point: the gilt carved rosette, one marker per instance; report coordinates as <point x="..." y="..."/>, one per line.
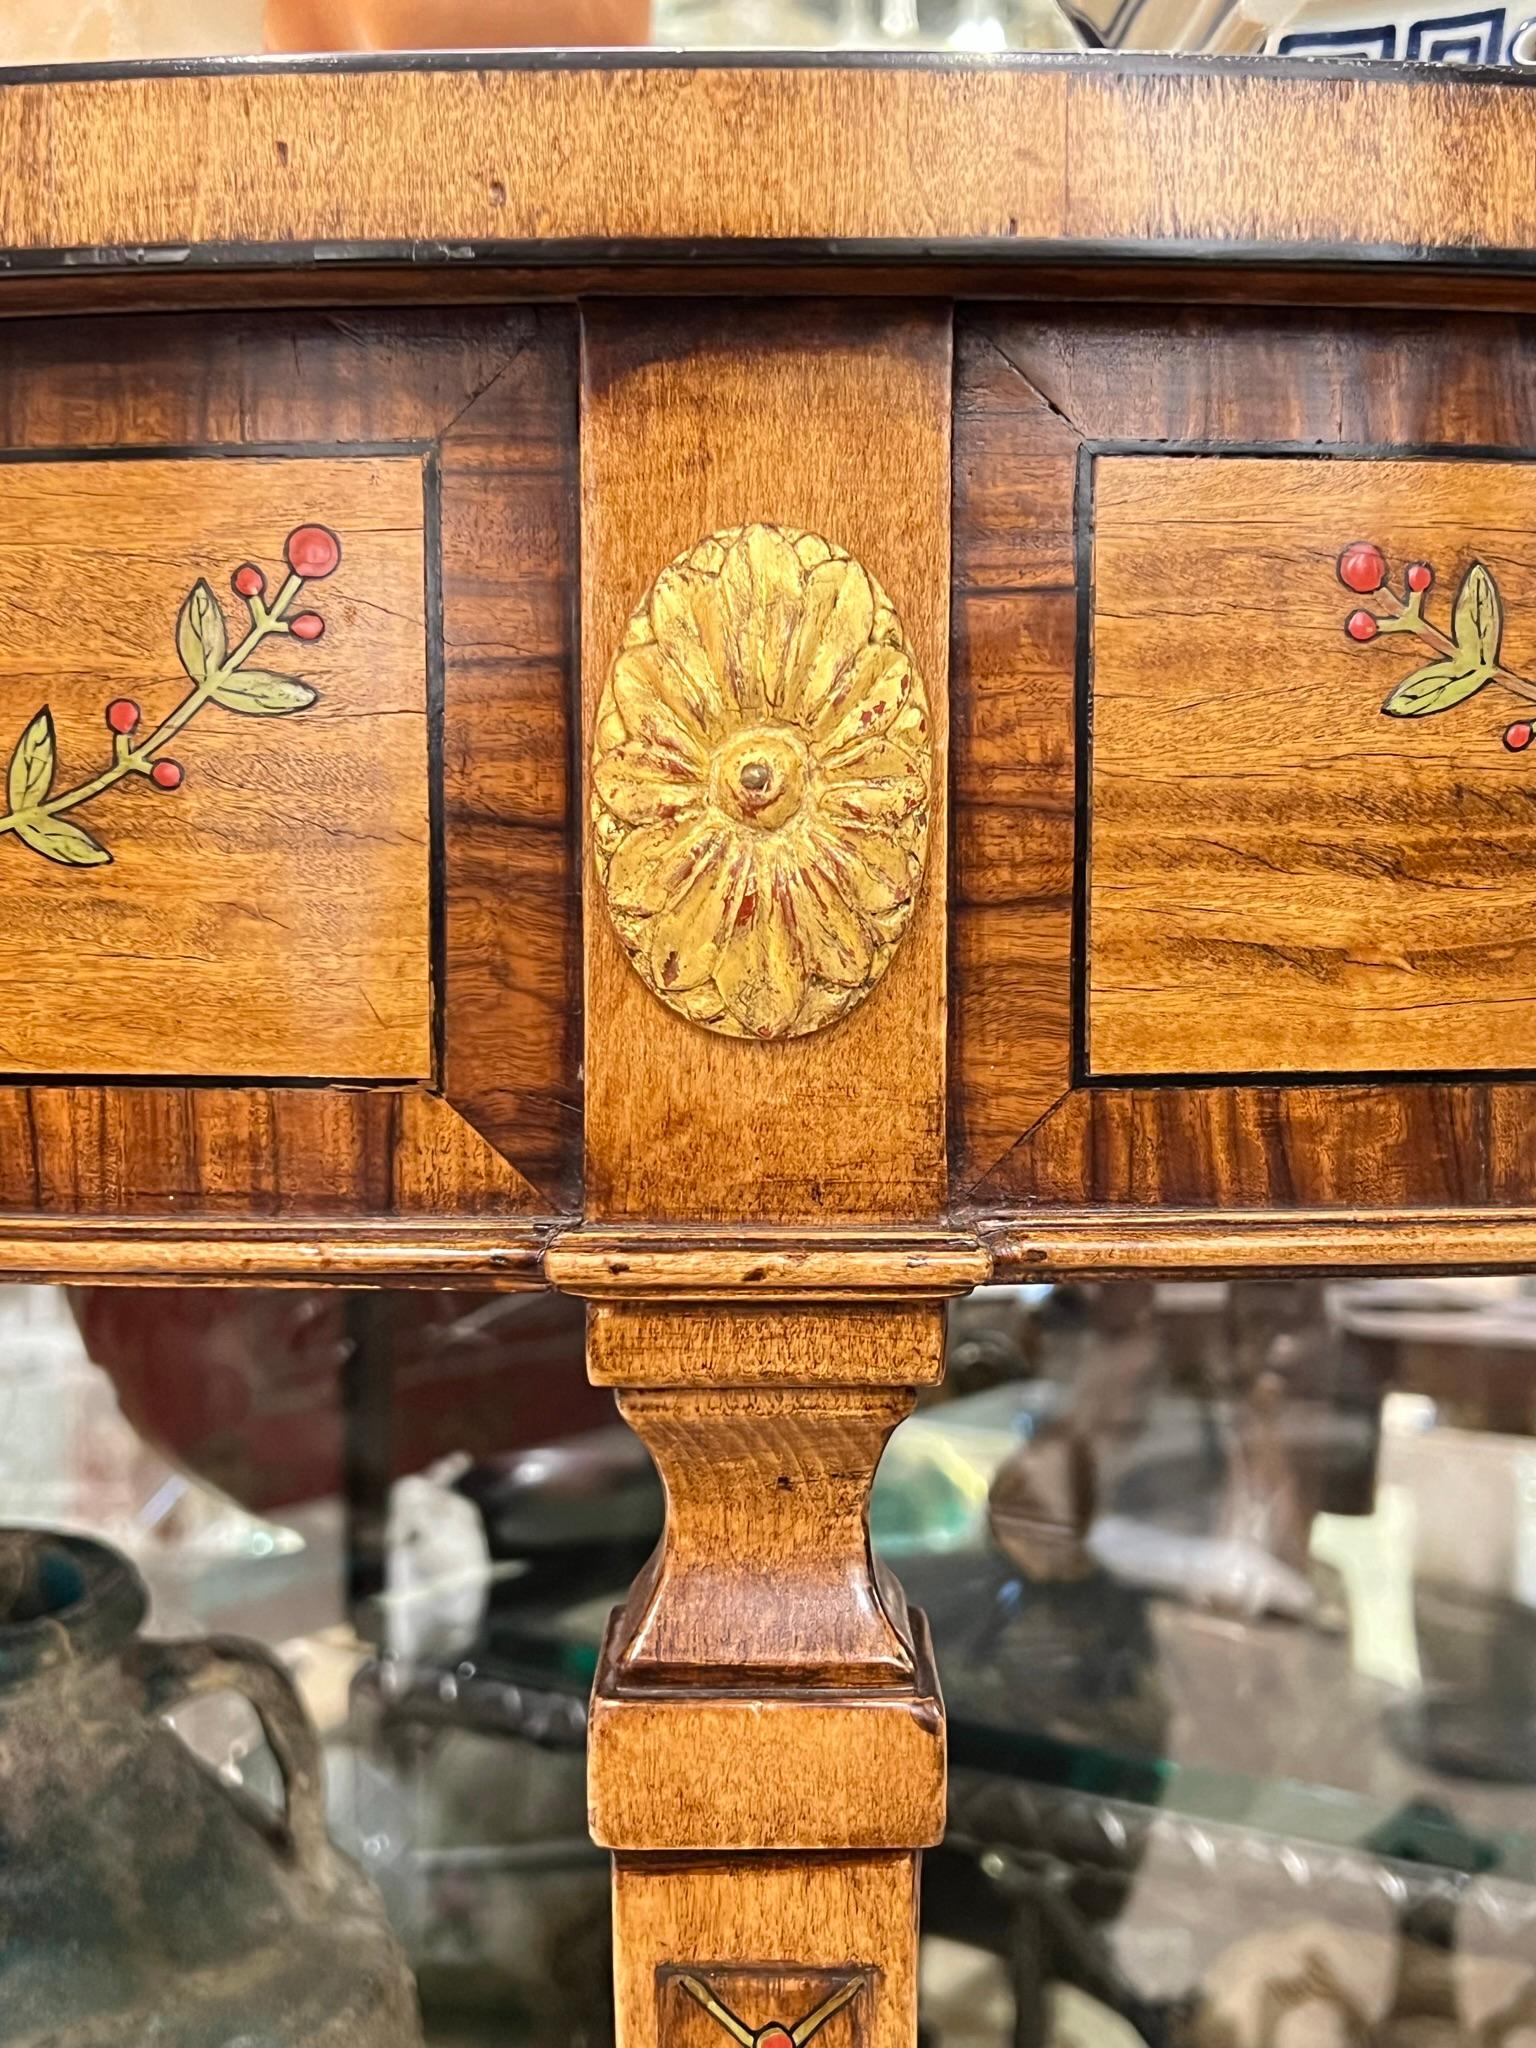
<point x="761" y="777"/>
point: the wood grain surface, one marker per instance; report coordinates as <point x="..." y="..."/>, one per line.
<point x="1309" y="380"/>
<point x="783" y="1915"/>
<point x="1112" y="1242"/>
<point x="1014" y="625"/>
<point x="758" y="1646"/>
<point x="765" y="1687"/>
<point x="270" y="915"/>
<point x="885" y="1345"/>
<point x="729" y="1771"/>
<point x="157" y="386"/>
<point x="815" y="417"/>
<point x="501" y="1256"/>
<point x="765" y="1265"/>
<point x="986" y="157"/>
<point x="765" y="1575"/>
<point x="767" y="272"/>
<point x="512" y="967"/>
<point x="1281" y="876"/>
<point x="502" y="1250"/>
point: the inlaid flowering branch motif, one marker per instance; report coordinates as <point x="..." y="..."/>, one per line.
<point x="1467" y="658"/>
<point x="761" y="773"/>
<point x="218" y="673"/>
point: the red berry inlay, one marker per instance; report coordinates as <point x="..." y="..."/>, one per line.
<point x="775" y="2037"/>
<point x="1517" y="736"/>
<point x="1361" y="626"/>
<point x="312" y="551"/>
<point x="1363" y="567"/>
<point x="1420" y="576"/>
<point x="211" y="658"/>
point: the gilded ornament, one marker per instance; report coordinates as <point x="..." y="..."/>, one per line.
<point x="761" y="782"/>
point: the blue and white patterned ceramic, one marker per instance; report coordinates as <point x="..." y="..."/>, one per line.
<point x="1476" y="35"/>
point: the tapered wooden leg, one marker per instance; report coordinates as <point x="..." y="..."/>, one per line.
<point x="765" y="497"/>
<point x="767" y="1746"/>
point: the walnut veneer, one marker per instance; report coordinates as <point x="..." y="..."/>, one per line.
<point x="756" y="691"/>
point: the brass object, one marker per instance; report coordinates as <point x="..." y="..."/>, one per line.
<point x="761" y="775"/>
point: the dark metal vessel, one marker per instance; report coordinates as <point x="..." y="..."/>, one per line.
<point x="141" y="1898"/>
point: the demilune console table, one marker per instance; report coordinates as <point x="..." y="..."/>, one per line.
<point x="758" y="691"/>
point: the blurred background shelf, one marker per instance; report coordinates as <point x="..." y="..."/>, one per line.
<point x="1230" y="1588"/>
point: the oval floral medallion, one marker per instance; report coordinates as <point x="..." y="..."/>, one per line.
<point x="761" y="774"/>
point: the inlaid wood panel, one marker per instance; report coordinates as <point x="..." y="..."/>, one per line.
<point x="1420" y="808"/>
<point x="445" y="441"/>
<point x="1306" y="850"/>
<point x="250" y="895"/>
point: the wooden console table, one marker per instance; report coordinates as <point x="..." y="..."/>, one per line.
<point x="759" y="690"/>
